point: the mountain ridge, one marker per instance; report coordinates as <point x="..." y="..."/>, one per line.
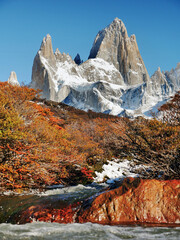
<point x="113" y="80"/>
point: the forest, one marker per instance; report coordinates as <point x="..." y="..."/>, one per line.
<point x="43" y="143"/>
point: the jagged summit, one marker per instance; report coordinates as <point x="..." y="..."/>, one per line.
<point x="113" y="80"/>
<point x="118" y="25"/>
<point x="114" y="46"/>
<point x="57" y="52"/>
<point x="159" y="69"/>
<point x="159" y="83"/>
<point x="77" y="59"/>
<point x="117" y="20"/>
<point x="46" y="47"/>
<point x="13" y="79"/>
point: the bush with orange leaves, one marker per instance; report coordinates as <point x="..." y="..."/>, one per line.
<point x="34" y="148"/>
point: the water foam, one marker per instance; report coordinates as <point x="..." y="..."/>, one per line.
<point x="47" y="231"/>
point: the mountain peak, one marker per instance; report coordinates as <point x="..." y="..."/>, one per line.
<point x="113" y="30"/>
<point x="114" y="46"/>
<point x="57" y="51"/>
<point x="178" y="65"/>
<point x="46" y="40"/>
<point x="46" y="48"/>
<point x="78" y="59"/>
<point x="115" y="81"/>
<point x="117" y="20"/>
<point x="13" y="79"/>
<point x="118" y="23"/>
<point x="159" y="69"/>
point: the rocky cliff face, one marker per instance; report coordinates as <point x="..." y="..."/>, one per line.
<point x="113" y="80"/>
<point x="41" y="76"/>
<point x="61" y="79"/>
<point x="13" y="79"/>
<point x="113" y="45"/>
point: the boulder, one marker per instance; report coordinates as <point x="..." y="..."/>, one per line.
<point x="137" y="201"/>
<point x="134" y="202"/>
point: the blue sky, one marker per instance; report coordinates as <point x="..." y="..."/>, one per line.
<point x="73" y="25"/>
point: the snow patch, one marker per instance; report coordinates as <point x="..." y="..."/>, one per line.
<point x="139" y="64"/>
<point x="116" y="169"/>
<point x="101" y="64"/>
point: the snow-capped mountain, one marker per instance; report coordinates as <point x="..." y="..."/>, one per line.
<point x="113" y="80"/>
<point x="13" y="79"/>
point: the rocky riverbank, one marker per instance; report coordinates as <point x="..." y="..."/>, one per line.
<point x="135" y="201"/>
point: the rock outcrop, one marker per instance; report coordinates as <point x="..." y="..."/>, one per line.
<point x="13" y="79"/>
<point x="113" y="45"/>
<point x="159" y="84"/>
<point x="173" y="77"/>
<point x="77" y="59"/>
<point x="41" y="78"/>
<point x="137" y="201"/>
<point x="113" y="80"/>
<point x="47" y="49"/>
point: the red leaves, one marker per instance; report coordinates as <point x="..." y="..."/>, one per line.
<point x="87" y="173"/>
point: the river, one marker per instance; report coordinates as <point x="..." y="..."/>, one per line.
<point x="11" y="205"/>
<point x="87" y="231"/>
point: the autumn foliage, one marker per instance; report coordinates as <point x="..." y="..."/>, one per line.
<point x="34" y="147"/>
<point x="44" y="143"/>
<point x="171" y="110"/>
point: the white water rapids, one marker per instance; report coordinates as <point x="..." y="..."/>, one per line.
<point x="53" y="231"/>
<point x="87" y="231"/>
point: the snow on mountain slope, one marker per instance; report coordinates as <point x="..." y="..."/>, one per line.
<point x="97" y="69"/>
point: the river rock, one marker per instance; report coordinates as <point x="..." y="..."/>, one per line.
<point x="136" y="201"/>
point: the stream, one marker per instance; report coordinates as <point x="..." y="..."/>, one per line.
<point x="12" y="205"/>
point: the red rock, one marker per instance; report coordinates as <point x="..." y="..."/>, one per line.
<point x="46" y="214"/>
<point x="136" y="201"/>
